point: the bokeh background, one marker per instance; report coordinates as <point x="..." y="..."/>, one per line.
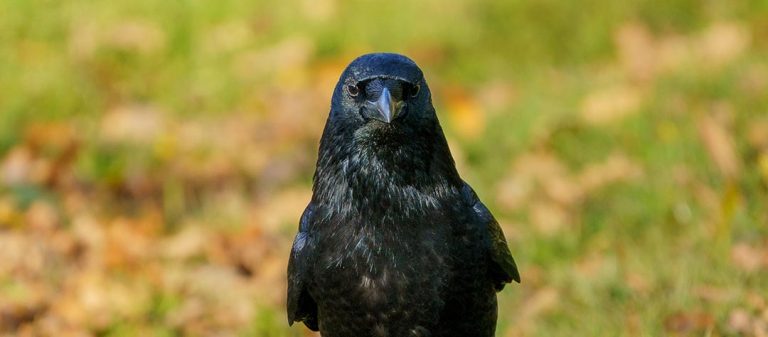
<point x="155" y="157"/>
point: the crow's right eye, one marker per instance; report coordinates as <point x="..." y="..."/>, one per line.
<point x="353" y="90"/>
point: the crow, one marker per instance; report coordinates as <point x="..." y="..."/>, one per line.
<point x="393" y="242"/>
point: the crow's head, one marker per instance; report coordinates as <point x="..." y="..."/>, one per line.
<point x="382" y="143"/>
<point x="382" y="92"/>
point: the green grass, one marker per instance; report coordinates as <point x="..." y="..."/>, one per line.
<point x="250" y="81"/>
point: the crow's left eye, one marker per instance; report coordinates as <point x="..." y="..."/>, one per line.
<point x="413" y="90"/>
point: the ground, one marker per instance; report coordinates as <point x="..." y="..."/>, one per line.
<point x="155" y="157"/>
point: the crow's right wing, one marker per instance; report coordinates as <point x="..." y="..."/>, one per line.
<point x="301" y="306"/>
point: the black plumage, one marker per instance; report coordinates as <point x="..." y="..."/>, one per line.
<point x="393" y="242"/>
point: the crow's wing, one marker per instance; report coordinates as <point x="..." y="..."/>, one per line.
<point x="301" y="306"/>
<point x="503" y="268"/>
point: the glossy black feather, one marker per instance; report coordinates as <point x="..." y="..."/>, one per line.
<point x="393" y="242"/>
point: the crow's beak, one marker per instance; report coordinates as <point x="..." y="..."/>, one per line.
<point x="387" y="107"/>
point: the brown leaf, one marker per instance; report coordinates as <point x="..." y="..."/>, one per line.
<point x="723" y="42"/>
<point x="514" y="192"/>
<point x="637" y="49"/>
<point x="749" y="258"/>
<point x="541" y="302"/>
<point x="141" y="36"/>
<point x="319" y="11"/>
<point x="674" y="52"/>
<point x="41" y="216"/>
<point x="190" y="241"/>
<point x="712" y="293"/>
<point x="9" y="216"/>
<point x="689" y="322"/>
<point x="137" y="124"/>
<point x="757" y="134"/>
<point x="608" y="105"/>
<point x="719" y="144"/>
<point x="465" y="114"/>
<point x="16" y="166"/>
<point x="617" y="167"/>
<point x="288" y="58"/>
<point x="227" y="37"/>
<point x="740" y="320"/>
<point x="282" y="209"/>
<point x="495" y="96"/>
<point x="548" y="218"/>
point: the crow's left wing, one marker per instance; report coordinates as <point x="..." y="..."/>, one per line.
<point x="503" y="268"/>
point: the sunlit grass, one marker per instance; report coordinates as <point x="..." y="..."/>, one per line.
<point x="619" y="144"/>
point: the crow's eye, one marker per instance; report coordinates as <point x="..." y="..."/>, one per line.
<point x="353" y="90"/>
<point x="414" y="90"/>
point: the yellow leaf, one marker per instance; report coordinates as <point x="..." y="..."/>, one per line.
<point x="466" y="116"/>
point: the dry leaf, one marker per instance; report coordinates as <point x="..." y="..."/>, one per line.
<point x="757" y="134"/>
<point x="674" y="52"/>
<point x="723" y="42"/>
<point x="749" y="258"/>
<point x="41" y="216"/>
<point x="319" y="10"/>
<point x="617" y="167"/>
<point x="548" y="218"/>
<point x="608" y="105"/>
<point x="227" y="37"/>
<point x="637" y="51"/>
<point x="514" y="192"/>
<point x="289" y="57"/>
<point x="16" y="166"/>
<point x="541" y="302"/>
<point x="139" y="124"/>
<point x="719" y="144"/>
<point x="689" y="322"/>
<point x="740" y="321"/>
<point x="495" y="96"/>
<point x="465" y="114"/>
<point x="712" y="293"/>
<point x="189" y="242"/>
<point x="142" y="36"/>
<point x="282" y="209"/>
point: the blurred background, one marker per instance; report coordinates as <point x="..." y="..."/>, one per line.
<point x="155" y="157"/>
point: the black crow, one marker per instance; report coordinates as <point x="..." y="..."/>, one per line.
<point x="393" y="242"/>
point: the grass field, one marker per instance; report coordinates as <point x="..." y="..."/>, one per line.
<point x="155" y="157"/>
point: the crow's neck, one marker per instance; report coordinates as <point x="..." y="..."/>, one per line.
<point x="389" y="182"/>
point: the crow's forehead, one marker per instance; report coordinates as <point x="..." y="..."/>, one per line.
<point x="383" y="65"/>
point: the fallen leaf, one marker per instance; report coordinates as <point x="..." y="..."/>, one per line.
<point x="757" y="134"/>
<point x="227" y="37"/>
<point x="541" y="302"/>
<point x="617" y="167"/>
<point x="689" y="322"/>
<point x="514" y="192"/>
<point x="137" y="124"/>
<point x="740" y="320"/>
<point x="287" y="58"/>
<point x="719" y="144"/>
<point x="319" y="10"/>
<point x="16" y="166"/>
<point x="466" y="116"/>
<point x="748" y="258"/>
<point x="141" y="36"/>
<point x="674" y="53"/>
<point x="42" y="217"/>
<point x="723" y="42"/>
<point x="637" y="51"/>
<point x="548" y="218"/>
<point x="607" y="105"/>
